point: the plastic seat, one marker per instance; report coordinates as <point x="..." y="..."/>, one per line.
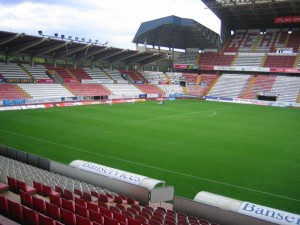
<point x="53" y="211"/>
<point x="122" y="219"/>
<point x="38" y="186"/>
<point x="3" y="187"/>
<point x="141" y="218"/>
<point x="80" y="201"/>
<point x="132" y="221"/>
<point x="81" y="210"/>
<point x="47" y="191"/>
<point x="68" y="205"/>
<point x="110" y="221"/>
<point x="30" y="217"/>
<point x="12" y="183"/>
<point x="23" y="187"/>
<point x="56" y="200"/>
<point x="69" y="195"/>
<point x="92" y="206"/>
<point x="38" y="204"/>
<point x="95" y="216"/>
<point x="15" y="211"/>
<point x="26" y="199"/>
<point x="105" y="212"/>
<point x="45" y="220"/>
<point x="80" y="220"/>
<point x="3" y="205"/>
<point x="67" y="217"/>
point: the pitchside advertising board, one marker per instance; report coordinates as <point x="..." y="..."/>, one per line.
<point x="269" y="214"/>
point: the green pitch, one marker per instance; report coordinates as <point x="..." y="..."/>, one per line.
<point x="251" y="153"/>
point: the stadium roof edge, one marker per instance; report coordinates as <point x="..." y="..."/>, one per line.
<point x="175" y="32"/>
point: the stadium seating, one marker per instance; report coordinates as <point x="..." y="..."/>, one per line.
<point x="262" y="83"/>
<point x="134" y="76"/>
<point x="37" y="71"/>
<point x="280" y="60"/>
<point x="36" y="209"/>
<point x="155" y="77"/>
<point x="45" y="90"/>
<point x="12" y="91"/>
<point x="87" y="89"/>
<point x="96" y="74"/>
<point x="187" y="58"/>
<point x="62" y="72"/>
<point x="229" y="85"/>
<point x="79" y="73"/>
<point x="123" y="89"/>
<point x="12" y="70"/>
<point x="287" y="87"/>
<point x="249" y="59"/>
<point x="149" y="89"/>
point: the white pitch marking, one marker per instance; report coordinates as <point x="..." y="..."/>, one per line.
<point x="178" y="115"/>
<point x="153" y="167"/>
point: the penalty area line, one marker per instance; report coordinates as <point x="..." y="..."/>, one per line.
<point x="152" y="167"/>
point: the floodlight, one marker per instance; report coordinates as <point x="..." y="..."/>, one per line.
<point x="70" y="37"/>
<point x="40" y="32"/>
<point x="56" y="35"/>
<point x="90" y="40"/>
<point x="82" y="39"/>
<point x="62" y="36"/>
<point x="96" y="41"/>
<point x="76" y="38"/>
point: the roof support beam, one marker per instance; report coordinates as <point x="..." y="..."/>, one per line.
<point x="4" y="40"/>
<point x="45" y="50"/>
<point x="27" y="45"/>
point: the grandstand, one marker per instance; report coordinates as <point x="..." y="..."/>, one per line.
<point x="255" y="60"/>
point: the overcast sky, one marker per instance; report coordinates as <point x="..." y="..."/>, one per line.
<point x="112" y="21"/>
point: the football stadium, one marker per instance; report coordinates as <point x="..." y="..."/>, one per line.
<point x="198" y="129"/>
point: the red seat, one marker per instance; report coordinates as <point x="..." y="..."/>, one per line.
<point x="53" y="211"/>
<point x="38" y="204"/>
<point x="38" y="186"/>
<point x="122" y="219"/>
<point x="144" y="214"/>
<point x="131" y="201"/>
<point x="3" y="187"/>
<point x="15" y="211"/>
<point x="67" y="217"/>
<point x="23" y="187"/>
<point x="83" y="220"/>
<point x="92" y="206"/>
<point x="89" y="198"/>
<point x="81" y="210"/>
<point x="110" y="221"/>
<point x="68" y="205"/>
<point x="69" y="195"/>
<point x="56" y="200"/>
<point x="95" y="217"/>
<point x="80" y="201"/>
<point x="105" y="212"/>
<point x="128" y="214"/>
<point x="3" y="205"/>
<point x="135" y="212"/>
<point x="114" y="209"/>
<point x="12" y="183"/>
<point x="59" y="190"/>
<point x="154" y="222"/>
<point x="47" y="191"/>
<point x="45" y="220"/>
<point x="132" y="221"/>
<point x="30" y="216"/>
<point x="137" y="208"/>
<point x="120" y="200"/>
<point x="142" y="219"/>
<point x="26" y="199"/>
<point x="78" y="192"/>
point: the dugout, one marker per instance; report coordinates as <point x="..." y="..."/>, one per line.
<point x="229" y="211"/>
<point x="142" y="188"/>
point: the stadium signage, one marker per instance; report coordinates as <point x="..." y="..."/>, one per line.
<point x="112" y="173"/>
<point x="269" y="214"/>
<point x="19" y="80"/>
<point x="287" y="19"/>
